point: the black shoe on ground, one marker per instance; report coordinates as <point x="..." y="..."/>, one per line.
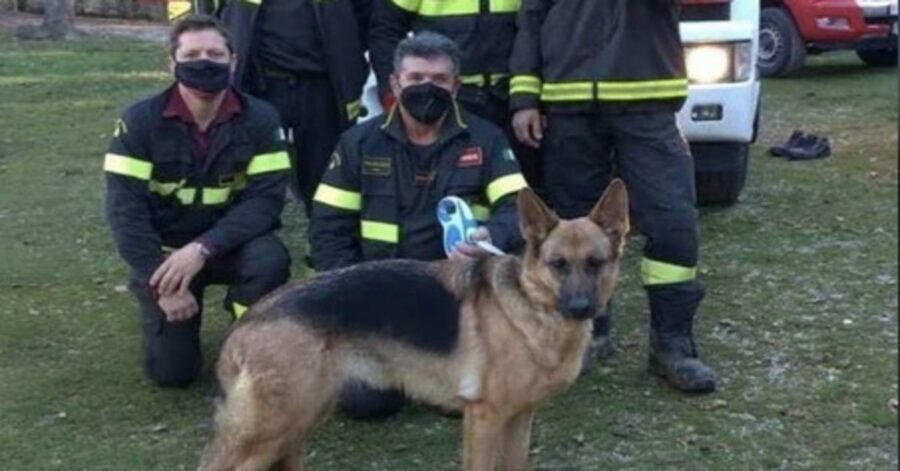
<point x="814" y="147"/>
<point x="782" y="150"/>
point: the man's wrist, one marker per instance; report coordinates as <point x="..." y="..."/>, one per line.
<point x="203" y="249"/>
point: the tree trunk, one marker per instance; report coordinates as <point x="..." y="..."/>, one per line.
<point x="59" y="18"/>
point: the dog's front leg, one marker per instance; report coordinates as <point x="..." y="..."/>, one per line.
<point x="516" y="441"/>
<point x="482" y="430"/>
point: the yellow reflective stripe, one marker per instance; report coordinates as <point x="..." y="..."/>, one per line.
<point x="505" y="6"/>
<point x="177" y="9"/>
<point x="477" y="80"/>
<point x="354" y="108"/>
<point x="481" y="213"/>
<point x="571" y="91"/>
<point x="270" y="162"/>
<point x="239" y="310"/>
<point x="480" y="80"/>
<point x="446" y="7"/>
<point x="184" y="195"/>
<point x="332" y="196"/>
<point x="216" y="195"/>
<point x="254" y="2"/>
<point x="525" y="84"/>
<point x="642" y="90"/>
<point x="661" y="273"/>
<point x="505" y="185"/>
<point x="380" y="231"/>
<point x="408" y="5"/>
<point x="128" y="166"/>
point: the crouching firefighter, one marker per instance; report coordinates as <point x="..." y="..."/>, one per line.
<point x="607" y="77"/>
<point x="195" y="187"/>
<point x="379" y="196"/>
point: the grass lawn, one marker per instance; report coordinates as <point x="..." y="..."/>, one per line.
<point x="800" y="319"/>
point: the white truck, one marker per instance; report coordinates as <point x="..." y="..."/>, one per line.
<point x="721" y="116"/>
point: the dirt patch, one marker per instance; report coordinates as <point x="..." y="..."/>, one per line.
<point x="93" y="27"/>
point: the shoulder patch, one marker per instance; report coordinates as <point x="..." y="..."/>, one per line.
<point x="335" y="161"/>
<point x="471" y="157"/>
<point x="120" y="129"/>
<point x="376" y="166"/>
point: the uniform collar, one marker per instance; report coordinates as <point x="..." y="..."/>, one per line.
<point x="176" y="107"/>
<point x="453" y="125"/>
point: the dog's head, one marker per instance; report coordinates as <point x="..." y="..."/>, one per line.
<point x="572" y="266"/>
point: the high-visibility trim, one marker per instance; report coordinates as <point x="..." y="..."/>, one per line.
<point x="380" y="231"/>
<point x="643" y="90"/>
<point x="570" y="91"/>
<point x="409" y="5"/>
<point x="505" y="185"/>
<point x="184" y="195"/>
<point x="481" y="213"/>
<point x="354" y="108"/>
<point x="239" y="310"/>
<point x="213" y="196"/>
<point x="480" y="80"/>
<point x="505" y="6"/>
<point x="254" y="2"/>
<point x="338" y="198"/>
<point x="661" y="273"/>
<point x="447" y="7"/>
<point x="525" y="84"/>
<point x="271" y="162"/>
<point x="128" y="166"/>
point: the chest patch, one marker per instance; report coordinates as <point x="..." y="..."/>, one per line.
<point x="376" y="166"/>
<point x="471" y="157"/>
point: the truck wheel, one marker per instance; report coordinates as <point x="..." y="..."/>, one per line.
<point x="781" y="50"/>
<point x="720" y="172"/>
<point x="878" y="57"/>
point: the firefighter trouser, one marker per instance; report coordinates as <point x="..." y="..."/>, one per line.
<point x="479" y="101"/>
<point x="582" y="152"/>
<point x="309" y="114"/>
<point x="170" y="351"/>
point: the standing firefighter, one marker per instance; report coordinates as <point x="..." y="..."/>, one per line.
<point x="195" y="186"/>
<point x="305" y="57"/>
<point x="608" y="76"/>
<point x="483" y="31"/>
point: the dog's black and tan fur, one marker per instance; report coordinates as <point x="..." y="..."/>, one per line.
<point x="494" y="338"/>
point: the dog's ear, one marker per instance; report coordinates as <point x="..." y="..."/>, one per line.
<point x="536" y="220"/>
<point x="611" y="212"/>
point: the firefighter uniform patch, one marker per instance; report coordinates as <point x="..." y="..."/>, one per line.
<point x="471" y="157"/>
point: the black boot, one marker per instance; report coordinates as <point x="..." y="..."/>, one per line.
<point x="673" y="354"/>
<point x="601" y="347"/>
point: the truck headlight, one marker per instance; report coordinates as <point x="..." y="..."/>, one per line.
<point x="719" y="63"/>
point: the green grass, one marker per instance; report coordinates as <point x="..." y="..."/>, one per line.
<point x="800" y="320"/>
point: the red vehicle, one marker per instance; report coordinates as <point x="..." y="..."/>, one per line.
<point x="791" y="29"/>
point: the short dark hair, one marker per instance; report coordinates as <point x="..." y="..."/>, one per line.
<point x="427" y="45"/>
<point x="197" y="23"/>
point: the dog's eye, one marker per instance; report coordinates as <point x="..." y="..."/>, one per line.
<point x="594" y="263"/>
<point x="559" y="264"/>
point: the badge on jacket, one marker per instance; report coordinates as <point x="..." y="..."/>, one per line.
<point x="376" y="166"/>
<point x="471" y="157"/>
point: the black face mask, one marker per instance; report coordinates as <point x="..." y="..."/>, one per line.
<point x="426" y="102"/>
<point x="205" y="75"/>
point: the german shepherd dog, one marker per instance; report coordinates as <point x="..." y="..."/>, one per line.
<point x="494" y="338"/>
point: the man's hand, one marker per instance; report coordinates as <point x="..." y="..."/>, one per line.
<point x="529" y="125"/>
<point x="177" y="272"/>
<point x="180" y="306"/>
<point x="468" y="250"/>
